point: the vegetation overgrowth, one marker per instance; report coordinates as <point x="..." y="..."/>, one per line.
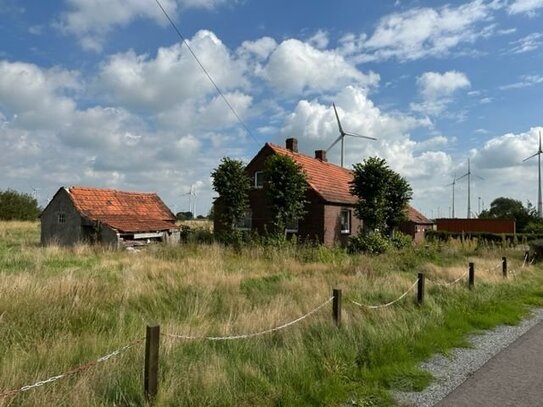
<point x="61" y="307"/>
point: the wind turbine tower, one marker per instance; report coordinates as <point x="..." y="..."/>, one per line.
<point x="342" y="135"/>
<point x="453" y="185"/>
<point x="469" y="174"/>
<point x="539" y="202"/>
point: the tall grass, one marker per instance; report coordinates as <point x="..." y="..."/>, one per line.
<point x="61" y="307"/>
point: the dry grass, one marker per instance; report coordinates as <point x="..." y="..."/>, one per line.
<point x="61" y="307"/>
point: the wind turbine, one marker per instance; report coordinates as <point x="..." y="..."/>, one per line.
<point x="342" y="135"/>
<point x="468" y="174"/>
<point x="539" y="152"/>
<point x="192" y="198"/>
<point x="453" y="185"/>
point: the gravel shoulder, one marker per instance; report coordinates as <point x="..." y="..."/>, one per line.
<point x="451" y="371"/>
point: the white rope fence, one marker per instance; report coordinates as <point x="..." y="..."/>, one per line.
<point x="388" y="304"/>
<point x="449" y="283"/>
<point x="70" y="372"/>
<point x="249" y="335"/>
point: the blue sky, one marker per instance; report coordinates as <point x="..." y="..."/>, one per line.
<point x="96" y="92"/>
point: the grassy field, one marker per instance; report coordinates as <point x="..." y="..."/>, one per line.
<point x="61" y="308"/>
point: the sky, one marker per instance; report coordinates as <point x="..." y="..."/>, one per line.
<point x="102" y="92"/>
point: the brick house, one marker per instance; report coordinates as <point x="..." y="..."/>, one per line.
<point x="107" y="216"/>
<point x="416" y="225"/>
<point x="329" y="218"/>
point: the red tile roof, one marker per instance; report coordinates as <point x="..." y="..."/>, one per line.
<point x="124" y="211"/>
<point x="333" y="182"/>
<point x="416" y="217"/>
<point x="327" y="179"/>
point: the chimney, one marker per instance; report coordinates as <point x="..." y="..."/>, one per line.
<point x="321" y="155"/>
<point x="292" y="144"/>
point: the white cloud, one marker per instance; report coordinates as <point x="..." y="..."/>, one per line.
<point x="526" y="81"/>
<point x="528" y="43"/>
<point x="314" y="124"/>
<point x="437" y="89"/>
<point x="422" y="32"/>
<point x="295" y="67"/>
<point x="319" y="40"/>
<point x="37" y="97"/>
<point x="92" y="20"/>
<point x="173" y="76"/>
<point x="525" y="6"/>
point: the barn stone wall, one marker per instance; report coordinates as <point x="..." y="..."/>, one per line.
<point x="54" y="232"/>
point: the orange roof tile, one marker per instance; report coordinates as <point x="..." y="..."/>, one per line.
<point x="416" y="217"/>
<point x="124" y="211"/>
<point x="328" y="180"/>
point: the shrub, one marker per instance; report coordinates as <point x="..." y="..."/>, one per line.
<point x="536" y="249"/>
<point x="401" y="241"/>
<point x="372" y="243"/>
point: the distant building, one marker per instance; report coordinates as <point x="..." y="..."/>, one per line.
<point x="107" y="216"/>
<point x="330" y="217"/>
<point x="416" y="225"/>
<point x="457" y="225"/>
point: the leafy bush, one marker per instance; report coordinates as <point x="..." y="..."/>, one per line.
<point x="536" y="249"/>
<point x="401" y="241"/>
<point x="196" y="235"/>
<point x="372" y="243"/>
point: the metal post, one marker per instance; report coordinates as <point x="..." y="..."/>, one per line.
<point x="504" y="266"/>
<point x="150" y="374"/>
<point x="420" y="289"/>
<point x="471" y="279"/>
<point x="336" y="306"/>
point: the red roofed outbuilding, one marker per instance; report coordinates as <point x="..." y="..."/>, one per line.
<point x="84" y="214"/>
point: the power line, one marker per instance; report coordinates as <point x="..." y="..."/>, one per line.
<point x="184" y="41"/>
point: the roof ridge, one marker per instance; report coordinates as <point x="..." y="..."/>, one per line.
<point x="80" y="187"/>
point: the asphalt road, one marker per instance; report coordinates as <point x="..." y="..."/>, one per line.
<point x="514" y="377"/>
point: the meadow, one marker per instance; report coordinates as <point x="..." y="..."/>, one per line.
<point x="64" y="307"/>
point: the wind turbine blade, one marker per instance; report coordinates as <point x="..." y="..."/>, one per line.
<point x="335" y="142"/>
<point x="452" y="183"/>
<point x="465" y="175"/>
<point x="532" y="156"/>
<point x="540" y="142"/>
<point x="478" y="176"/>
<point x="338" y="122"/>
<point x="359" y="135"/>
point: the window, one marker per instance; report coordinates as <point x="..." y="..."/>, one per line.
<point x="61" y="217"/>
<point x="259" y="179"/>
<point x="345" y="221"/>
<point x="292" y="226"/>
<point x="246" y="222"/>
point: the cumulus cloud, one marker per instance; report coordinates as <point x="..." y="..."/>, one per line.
<point x="92" y="20"/>
<point x="172" y="76"/>
<point x="37" y="98"/>
<point x="295" y="67"/>
<point x="436" y="90"/>
<point x="315" y="125"/>
<point x="422" y="32"/>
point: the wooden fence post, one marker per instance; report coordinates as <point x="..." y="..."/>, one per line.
<point x="336" y="306"/>
<point x="150" y="374"/>
<point x="471" y="279"/>
<point x="420" y="289"/>
<point x="504" y="266"/>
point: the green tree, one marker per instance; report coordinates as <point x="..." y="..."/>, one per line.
<point x="508" y="208"/>
<point x="18" y="206"/>
<point x="232" y="184"/>
<point x="285" y="185"/>
<point x="383" y="195"/>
